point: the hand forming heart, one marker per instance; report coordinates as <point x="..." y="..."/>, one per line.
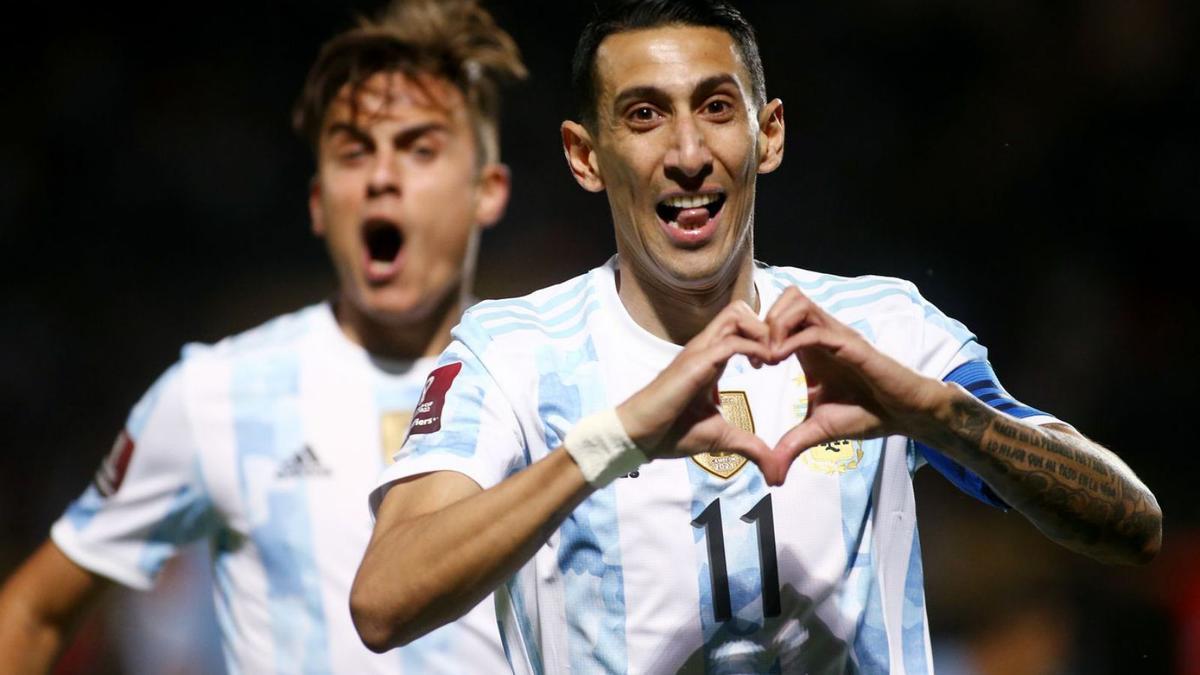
<point x="854" y="390"/>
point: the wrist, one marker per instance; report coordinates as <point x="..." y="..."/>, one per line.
<point x="936" y="419"/>
<point x="602" y="449"/>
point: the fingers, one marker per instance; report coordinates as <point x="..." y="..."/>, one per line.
<point x="752" y="448"/>
<point x="799" y="439"/>
<point x="736" y="319"/>
<point x="721" y="352"/>
<point x="807" y="338"/>
<point x="786" y="314"/>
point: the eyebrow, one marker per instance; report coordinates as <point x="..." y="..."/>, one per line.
<point x="653" y="92"/>
<point x="346" y="128"/>
<point x="404" y="137"/>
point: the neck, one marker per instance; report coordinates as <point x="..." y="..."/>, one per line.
<point x="677" y="314"/>
<point x="402" y="338"/>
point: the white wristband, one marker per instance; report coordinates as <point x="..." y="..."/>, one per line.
<point x="602" y="449"/>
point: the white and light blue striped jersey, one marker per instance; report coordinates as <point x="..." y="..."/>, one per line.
<point x="264" y="444"/>
<point x="694" y="564"/>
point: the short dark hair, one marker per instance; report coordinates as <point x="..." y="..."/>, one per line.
<point x="619" y="16"/>
<point x="453" y="39"/>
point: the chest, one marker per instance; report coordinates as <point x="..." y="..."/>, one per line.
<point x="292" y="464"/>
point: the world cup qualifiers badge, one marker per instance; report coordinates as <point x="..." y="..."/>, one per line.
<point x="427" y="418"/>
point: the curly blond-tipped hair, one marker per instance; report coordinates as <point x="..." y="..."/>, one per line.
<point x="456" y="40"/>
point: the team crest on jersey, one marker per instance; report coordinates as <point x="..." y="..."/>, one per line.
<point x="393" y="427"/>
<point x="735" y="408"/>
<point x="834" y="456"/>
<point x="112" y="470"/>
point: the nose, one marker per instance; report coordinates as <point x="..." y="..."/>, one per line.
<point x="385" y="175"/>
<point x="689" y="156"/>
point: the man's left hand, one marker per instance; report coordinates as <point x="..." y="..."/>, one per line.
<point x="855" y="391"/>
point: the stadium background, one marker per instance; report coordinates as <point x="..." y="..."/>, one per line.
<point x="1031" y="166"/>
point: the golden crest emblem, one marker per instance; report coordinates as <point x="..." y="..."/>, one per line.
<point x="393" y="427"/>
<point x="735" y="408"/>
<point x="834" y="456"/>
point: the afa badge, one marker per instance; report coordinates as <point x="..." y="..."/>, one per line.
<point x="735" y="408"/>
<point x="393" y="427"/>
<point x="833" y="457"/>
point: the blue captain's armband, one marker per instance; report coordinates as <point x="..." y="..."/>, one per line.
<point x="978" y="378"/>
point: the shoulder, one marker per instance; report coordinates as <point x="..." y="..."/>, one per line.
<point x="281" y="333"/>
<point x="275" y="338"/>
<point x="891" y="313"/>
<point x="852" y="299"/>
<point x="552" y="314"/>
<point x="264" y="359"/>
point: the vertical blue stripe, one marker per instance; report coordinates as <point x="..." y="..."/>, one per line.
<point x="268" y="430"/>
<point x="525" y="621"/>
<point x="862" y="597"/>
<point x="870" y="638"/>
<point x="570" y="385"/>
<point x="913" y="616"/>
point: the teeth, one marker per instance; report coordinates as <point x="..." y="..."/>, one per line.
<point x="379" y="267"/>
<point x="690" y="201"/>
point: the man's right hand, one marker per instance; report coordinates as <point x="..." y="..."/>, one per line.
<point x="677" y="414"/>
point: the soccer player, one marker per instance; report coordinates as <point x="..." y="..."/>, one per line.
<point x="265" y="443"/>
<point x="584" y="450"/>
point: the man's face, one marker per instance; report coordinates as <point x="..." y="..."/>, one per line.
<point x="678" y="147"/>
<point x="398" y="195"/>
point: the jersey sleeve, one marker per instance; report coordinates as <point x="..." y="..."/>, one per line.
<point x="147" y="499"/>
<point x="951" y="353"/>
<point x="464" y="422"/>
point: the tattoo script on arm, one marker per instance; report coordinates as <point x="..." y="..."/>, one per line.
<point x="1077" y="492"/>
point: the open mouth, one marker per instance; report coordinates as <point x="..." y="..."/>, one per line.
<point x="383" y="240"/>
<point x="384" y="244"/>
<point x="690" y="211"/>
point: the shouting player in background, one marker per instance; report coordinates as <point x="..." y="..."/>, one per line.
<point x="688" y="461"/>
<point x="265" y="443"/>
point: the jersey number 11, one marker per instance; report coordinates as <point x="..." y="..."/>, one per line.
<point x="761" y="514"/>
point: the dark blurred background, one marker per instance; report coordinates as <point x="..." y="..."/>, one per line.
<point x="1032" y="166"/>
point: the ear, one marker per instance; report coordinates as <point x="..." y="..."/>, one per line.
<point x="315" y="212"/>
<point x="770" y="136"/>
<point x="581" y="156"/>
<point x="495" y="182"/>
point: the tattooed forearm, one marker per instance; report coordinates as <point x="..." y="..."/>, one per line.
<point x="1075" y="491"/>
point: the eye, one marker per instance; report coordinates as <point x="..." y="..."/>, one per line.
<point x="351" y="152"/>
<point x="425" y="151"/>
<point x="718" y="108"/>
<point x="643" y="116"/>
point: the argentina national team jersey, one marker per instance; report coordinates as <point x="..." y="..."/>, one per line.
<point x="264" y="445"/>
<point x="694" y="564"/>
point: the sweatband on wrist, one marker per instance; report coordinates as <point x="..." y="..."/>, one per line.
<point x="602" y="449"/>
